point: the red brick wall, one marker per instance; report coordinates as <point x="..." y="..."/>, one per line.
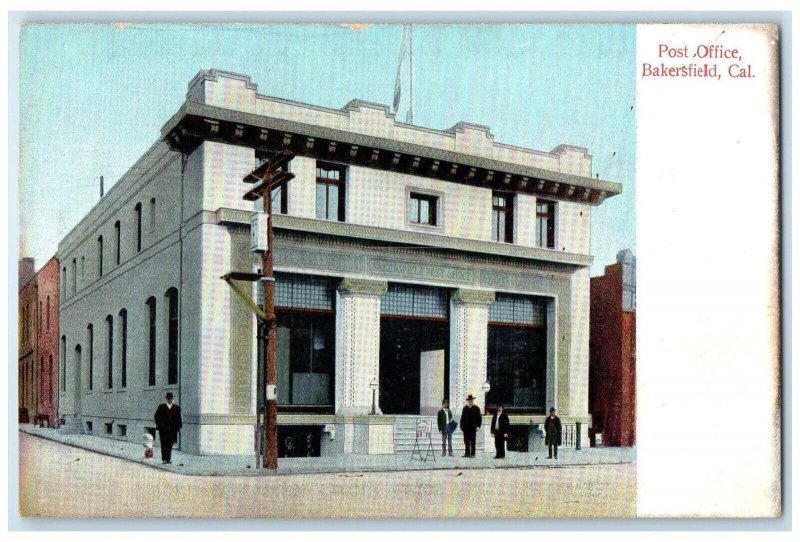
<point x="612" y="361"/>
<point x="47" y="280"/>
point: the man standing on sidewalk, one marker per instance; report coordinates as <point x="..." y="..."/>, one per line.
<point x="168" y="422"/>
<point x="470" y="422"/>
<point x="500" y="428"/>
<point x="552" y="428"/>
<point x="446" y="426"/>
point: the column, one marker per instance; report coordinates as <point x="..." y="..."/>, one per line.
<point x="578" y="401"/>
<point x="469" y="319"/>
<point x="358" y="318"/>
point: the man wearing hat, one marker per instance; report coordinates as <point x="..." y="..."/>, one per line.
<point x="470" y="422"/>
<point x="552" y="427"/>
<point x="500" y="429"/>
<point x="168" y="422"/>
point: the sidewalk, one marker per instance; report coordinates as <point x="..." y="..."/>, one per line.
<point x="240" y="465"/>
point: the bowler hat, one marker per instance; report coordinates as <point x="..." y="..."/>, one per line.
<point x="169" y="395"/>
<point x="552" y="409"/>
<point x="470" y="397"/>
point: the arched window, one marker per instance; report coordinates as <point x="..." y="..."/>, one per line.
<point x="138" y="211"/>
<point x="110" y="351"/>
<point x="117" y="239"/>
<point x="90" y="342"/>
<point x="152" y="213"/>
<point x="123" y="330"/>
<point x="74" y="275"/>
<point x="48" y="312"/>
<point x="172" y="337"/>
<point x="63" y="370"/>
<point x="77" y="363"/>
<point x="100" y="256"/>
<point x="151" y="352"/>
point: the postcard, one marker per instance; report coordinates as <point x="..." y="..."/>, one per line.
<point x="419" y="270"/>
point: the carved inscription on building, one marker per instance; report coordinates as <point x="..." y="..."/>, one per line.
<point x="291" y="256"/>
<point x="422" y="271"/>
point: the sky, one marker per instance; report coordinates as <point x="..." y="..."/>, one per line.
<point x="93" y="98"/>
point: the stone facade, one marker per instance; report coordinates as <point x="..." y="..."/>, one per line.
<point x="196" y="226"/>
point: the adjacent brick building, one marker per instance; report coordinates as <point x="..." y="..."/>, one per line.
<point x="612" y="352"/>
<point x="47" y="341"/>
<point x="38" y="342"/>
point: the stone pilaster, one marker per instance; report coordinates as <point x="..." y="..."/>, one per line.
<point x="578" y="398"/>
<point x="469" y="317"/>
<point x="358" y="318"/>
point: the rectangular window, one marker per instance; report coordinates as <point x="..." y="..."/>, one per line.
<point x="172" y="339"/>
<point x="151" y="372"/>
<point x="415" y="301"/>
<point x="516" y="367"/>
<point x="422" y="209"/>
<point x="502" y="218"/>
<point x="122" y="430"/>
<point x="89" y="427"/>
<point x="74" y="276"/>
<point x="280" y="200"/>
<point x="305" y="358"/>
<point x="64" y="284"/>
<point x="152" y="213"/>
<point x="330" y="191"/>
<point x="545" y="224"/>
<point x="109" y="428"/>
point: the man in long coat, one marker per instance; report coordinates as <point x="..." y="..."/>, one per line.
<point x="444" y="420"/>
<point x="168" y="422"/>
<point x="552" y="428"/>
<point x="500" y="428"/>
<point x="470" y="422"/>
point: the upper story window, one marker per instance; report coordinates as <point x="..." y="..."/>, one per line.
<point x="330" y="191"/>
<point x="152" y="213"/>
<point x="74" y="275"/>
<point x="100" y="256"/>
<point x="545" y="224"/>
<point x="423" y="209"/>
<point x="117" y="240"/>
<point x="280" y="200"/>
<point x="502" y="217"/>
<point x="138" y="212"/>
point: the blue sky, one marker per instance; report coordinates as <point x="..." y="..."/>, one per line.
<point x="93" y="98"/>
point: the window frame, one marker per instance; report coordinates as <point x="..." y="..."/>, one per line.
<point x="340" y="183"/>
<point x="508" y="211"/>
<point x="434" y="198"/>
<point x="549" y="218"/>
<point x="152" y="340"/>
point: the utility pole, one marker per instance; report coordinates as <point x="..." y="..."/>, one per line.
<point x="269" y="175"/>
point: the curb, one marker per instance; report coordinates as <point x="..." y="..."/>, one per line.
<point x="365" y="469"/>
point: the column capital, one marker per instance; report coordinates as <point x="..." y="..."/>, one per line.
<point x="463" y="295"/>
<point x="363" y="286"/>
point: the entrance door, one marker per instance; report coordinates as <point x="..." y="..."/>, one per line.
<point x="404" y="343"/>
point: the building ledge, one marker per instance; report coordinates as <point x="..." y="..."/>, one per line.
<point x="401" y="237"/>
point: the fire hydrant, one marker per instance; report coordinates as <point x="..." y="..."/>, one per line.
<point x="148" y="446"/>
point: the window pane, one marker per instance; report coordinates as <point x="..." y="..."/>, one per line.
<point x="413" y="210"/>
<point x="321" y="201"/>
<point x="333" y="202"/>
<point x="277" y="194"/>
<point x="424" y="211"/>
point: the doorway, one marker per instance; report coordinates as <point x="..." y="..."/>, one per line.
<point x="406" y="387"/>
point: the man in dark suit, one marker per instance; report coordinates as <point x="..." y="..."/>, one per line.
<point x="500" y="428"/>
<point x="444" y="420"/>
<point x="168" y="422"/>
<point x="552" y="428"/>
<point x="470" y="422"/>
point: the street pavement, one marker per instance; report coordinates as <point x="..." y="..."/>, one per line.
<point x="245" y="465"/>
<point x="58" y="480"/>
